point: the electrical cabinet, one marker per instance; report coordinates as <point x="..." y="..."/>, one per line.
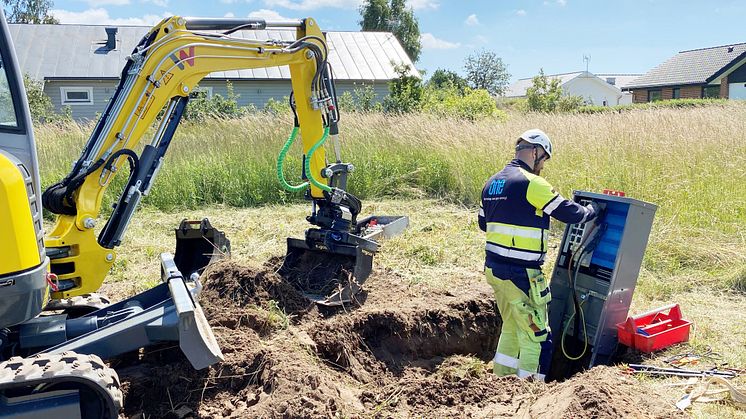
<point x="596" y="271"/>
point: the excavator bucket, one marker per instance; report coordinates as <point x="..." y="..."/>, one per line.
<point x="199" y="244"/>
<point x="331" y="267"/>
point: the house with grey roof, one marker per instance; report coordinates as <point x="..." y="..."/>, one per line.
<point x="715" y="72"/>
<point x="595" y="89"/>
<point x="81" y="64"/>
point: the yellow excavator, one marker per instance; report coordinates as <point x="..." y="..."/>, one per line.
<point x="51" y="361"/>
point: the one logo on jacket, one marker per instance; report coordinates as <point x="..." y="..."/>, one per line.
<point x="496" y="187"/>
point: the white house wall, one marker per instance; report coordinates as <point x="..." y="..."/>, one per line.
<point x="251" y="92"/>
<point x="594" y="90"/>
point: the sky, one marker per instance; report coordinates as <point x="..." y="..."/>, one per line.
<point x="624" y="36"/>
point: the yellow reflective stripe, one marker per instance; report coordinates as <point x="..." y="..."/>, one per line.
<point x="518" y="242"/>
<point x="519" y="237"/>
<point x="514" y="253"/>
<point x="514" y="230"/>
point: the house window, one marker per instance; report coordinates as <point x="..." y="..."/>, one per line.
<point x="676" y="93"/>
<point x="654" y="95"/>
<point x="76" y="95"/>
<point x="709" y="92"/>
<point x="7" y="110"/>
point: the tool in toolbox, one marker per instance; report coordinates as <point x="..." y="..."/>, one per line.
<point x="655" y="329"/>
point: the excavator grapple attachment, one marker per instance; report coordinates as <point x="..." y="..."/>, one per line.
<point x="330" y="267"/>
<point x="199" y="244"/>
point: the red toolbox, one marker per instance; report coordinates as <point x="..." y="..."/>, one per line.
<point x="654" y="330"/>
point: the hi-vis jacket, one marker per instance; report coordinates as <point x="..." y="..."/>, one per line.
<point x="515" y="210"/>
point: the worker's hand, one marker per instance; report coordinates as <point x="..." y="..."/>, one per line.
<point x="595" y="210"/>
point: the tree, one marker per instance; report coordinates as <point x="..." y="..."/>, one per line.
<point x="29" y="11"/>
<point x="546" y="95"/>
<point x="443" y="79"/>
<point x="395" y="17"/>
<point x="40" y="105"/>
<point x="405" y="92"/>
<point x="485" y="70"/>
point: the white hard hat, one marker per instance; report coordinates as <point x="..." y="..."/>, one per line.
<point x="538" y="137"/>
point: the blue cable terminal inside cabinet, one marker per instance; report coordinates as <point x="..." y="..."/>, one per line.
<point x="596" y="273"/>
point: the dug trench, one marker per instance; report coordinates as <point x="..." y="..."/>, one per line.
<point x="402" y="353"/>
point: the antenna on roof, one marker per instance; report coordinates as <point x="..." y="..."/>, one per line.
<point x="587" y="61"/>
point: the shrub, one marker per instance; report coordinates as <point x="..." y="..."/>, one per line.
<point x="201" y="107"/>
<point x="472" y="104"/>
<point x="277" y="107"/>
<point x="662" y="104"/>
<point x="405" y="92"/>
<point x="40" y="105"/>
<point x="362" y="99"/>
<point x="546" y="95"/>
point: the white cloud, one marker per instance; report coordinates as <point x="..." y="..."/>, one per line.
<point x="267" y="14"/>
<point x="159" y="3"/>
<point x="562" y="2"/>
<point x="423" y="4"/>
<point x="229" y="14"/>
<point x="98" y="3"/>
<point x="338" y="4"/>
<point x="313" y="4"/>
<point x="520" y="12"/>
<point x="472" y="20"/>
<point x="101" y="16"/>
<point x="429" y="41"/>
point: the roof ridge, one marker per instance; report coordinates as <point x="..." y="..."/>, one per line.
<point x="706" y="48"/>
<point x="554" y="75"/>
<point x="150" y="26"/>
<point x="619" y="74"/>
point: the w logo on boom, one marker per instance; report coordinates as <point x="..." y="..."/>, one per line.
<point x="185" y="55"/>
<point x="497" y="186"/>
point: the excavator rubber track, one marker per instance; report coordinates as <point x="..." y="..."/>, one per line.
<point x="78" y="305"/>
<point x="46" y="385"/>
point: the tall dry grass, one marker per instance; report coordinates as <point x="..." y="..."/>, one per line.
<point x="690" y="162"/>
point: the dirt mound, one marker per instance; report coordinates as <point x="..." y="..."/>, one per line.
<point x="401" y="354"/>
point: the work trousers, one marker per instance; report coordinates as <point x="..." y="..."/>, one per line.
<point x="525" y="344"/>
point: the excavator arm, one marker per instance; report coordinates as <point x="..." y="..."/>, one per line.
<point x="161" y="72"/>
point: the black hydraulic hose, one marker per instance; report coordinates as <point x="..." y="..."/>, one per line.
<point x="132" y="159"/>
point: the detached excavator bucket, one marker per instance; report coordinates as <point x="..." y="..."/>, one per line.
<point x="199" y="244"/>
<point x="330" y="267"/>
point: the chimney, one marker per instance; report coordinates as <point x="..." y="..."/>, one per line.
<point x="111" y="38"/>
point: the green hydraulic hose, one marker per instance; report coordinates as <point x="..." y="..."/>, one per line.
<point x="307" y="166"/>
<point x="281" y="160"/>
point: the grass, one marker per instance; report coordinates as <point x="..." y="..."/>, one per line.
<point x="690" y="162"/>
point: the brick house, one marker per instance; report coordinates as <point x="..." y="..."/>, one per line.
<point x="716" y="72"/>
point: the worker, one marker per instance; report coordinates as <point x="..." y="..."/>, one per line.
<point x="514" y="212"/>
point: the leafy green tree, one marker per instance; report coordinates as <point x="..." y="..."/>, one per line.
<point x="393" y="16"/>
<point x="40" y="105"/>
<point x="29" y="11"/>
<point x="443" y="79"/>
<point x="546" y="95"/>
<point x="405" y="92"/>
<point x="485" y="70"/>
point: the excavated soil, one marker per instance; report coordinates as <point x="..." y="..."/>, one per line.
<point x="403" y="353"/>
